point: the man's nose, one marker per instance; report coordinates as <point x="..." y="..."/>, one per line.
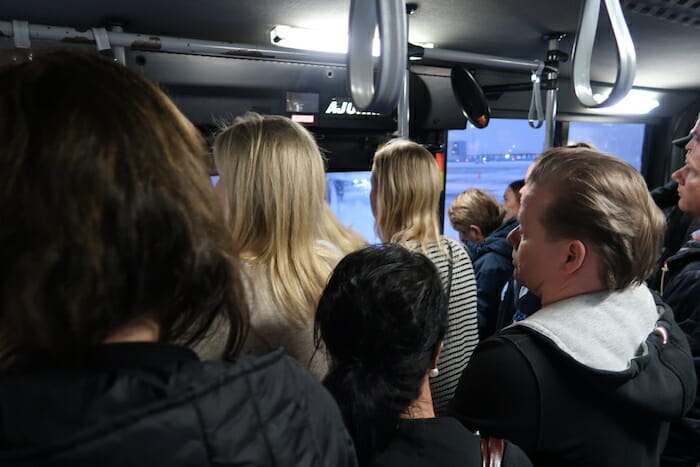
<point x="678" y="176"/>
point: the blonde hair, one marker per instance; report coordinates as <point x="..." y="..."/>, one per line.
<point x="476" y="207"/>
<point x="407" y="185"/>
<point x="275" y="186"/>
<point x="603" y="199"/>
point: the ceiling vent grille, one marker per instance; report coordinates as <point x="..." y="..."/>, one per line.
<point x="684" y="12"/>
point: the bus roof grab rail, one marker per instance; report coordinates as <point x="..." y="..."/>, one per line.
<point x="536" y="99"/>
<point x="583" y="50"/>
<point x="380" y="94"/>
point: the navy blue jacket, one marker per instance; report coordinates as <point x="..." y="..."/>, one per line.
<point x="682" y="293"/>
<point x="493" y="267"/>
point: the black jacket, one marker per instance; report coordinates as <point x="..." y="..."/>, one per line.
<point x="440" y="442"/>
<point x="533" y="387"/>
<point x="682" y="293"/>
<point x="155" y="404"/>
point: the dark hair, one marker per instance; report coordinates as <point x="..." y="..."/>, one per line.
<point x="108" y="214"/>
<point x="382" y="318"/>
<point x="515" y="187"/>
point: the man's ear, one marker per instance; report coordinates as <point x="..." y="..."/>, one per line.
<point x="575" y="256"/>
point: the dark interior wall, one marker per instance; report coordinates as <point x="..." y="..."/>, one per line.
<point x="211" y="91"/>
<point x="214" y="89"/>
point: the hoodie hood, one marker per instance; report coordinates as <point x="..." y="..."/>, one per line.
<point x="495" y="242"/>
<point x="689" y="251"/>
<point x="625" y="342"/>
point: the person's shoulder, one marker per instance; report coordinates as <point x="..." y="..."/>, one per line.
<point x="505" y="359"/>
<point x="457" y="250"/>
<point x="427" y="442"/>
<point x="331" y="248"/>
<point x="511" y="341"/>
<point x="275" y="395"/>
<point x="278" y="368"/>
<point x="683" y="281"/>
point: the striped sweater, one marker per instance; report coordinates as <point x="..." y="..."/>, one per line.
<point x="462" y="334"/>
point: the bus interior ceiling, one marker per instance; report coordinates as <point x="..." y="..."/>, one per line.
<point x="212" y="88"/>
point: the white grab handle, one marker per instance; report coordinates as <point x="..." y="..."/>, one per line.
<point x="380" y="94"/>
<point x="583" y="50"/>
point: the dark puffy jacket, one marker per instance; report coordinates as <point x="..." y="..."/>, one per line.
<point x="682" y="293"/>
<point x="493" y="267"/>
<point x="153" y="404"/>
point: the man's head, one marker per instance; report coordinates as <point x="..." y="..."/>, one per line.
<point x="474" y="214"/>
<point x="688" y="176"/>
<point x="587" y="223"/>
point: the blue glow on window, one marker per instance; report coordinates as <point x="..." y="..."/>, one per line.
<point x="624" y="140"/>
<point x="348" y="195"/>
<point x="489" y="158"/>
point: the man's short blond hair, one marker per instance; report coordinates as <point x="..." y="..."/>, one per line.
<point x="475" y="207"/>
<point x="601" y="199"/>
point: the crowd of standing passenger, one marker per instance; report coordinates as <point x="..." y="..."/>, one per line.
<point x="148" y="318"/>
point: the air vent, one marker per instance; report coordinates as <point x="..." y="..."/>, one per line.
<point x="684" y="12"/>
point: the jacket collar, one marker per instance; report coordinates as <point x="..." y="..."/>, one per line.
<point x="132" y="355"/>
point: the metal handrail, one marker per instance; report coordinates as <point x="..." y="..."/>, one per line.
<point x="159" y="43"/>
<point x="583" y="50"/>
<point x="491" y="61"/>
<point x="380" y="94"/>
<point x="536" y="100"/>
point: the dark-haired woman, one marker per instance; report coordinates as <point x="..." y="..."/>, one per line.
<point x="511" y="199"/>
<point x="383" y="318"/>
<point x="113" y="256"/>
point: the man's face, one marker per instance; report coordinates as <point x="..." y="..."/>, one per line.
<point x="535" y="256"/>
<point x="688" y="176"/>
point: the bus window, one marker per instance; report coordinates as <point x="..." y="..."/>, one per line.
<point x="348" y="195"/>
<point x="624" y="140"/>
<point x="489" y="158"/>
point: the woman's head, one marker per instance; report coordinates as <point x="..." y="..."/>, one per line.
<point x="382" y="317"/>
<point x="511" y="198"/>
<point x="406" y="186"/>
<point x="274" y="183"/>
<point x="108" y="214"/>
<point x="273" y="176"/>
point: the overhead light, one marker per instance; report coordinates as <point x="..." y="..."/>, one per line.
<point x="637" y="102"/>
<point x="310" y="39"/>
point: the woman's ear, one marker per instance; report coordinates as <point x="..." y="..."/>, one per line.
<point x="439" y="353"/>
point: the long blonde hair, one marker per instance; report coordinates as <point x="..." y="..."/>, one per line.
<point x="406" y="184"/>
<point x="275" y="186"/>
<point x="332" y="230"/>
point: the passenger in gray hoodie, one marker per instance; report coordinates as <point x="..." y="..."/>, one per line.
<point x="602" y="368"/>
